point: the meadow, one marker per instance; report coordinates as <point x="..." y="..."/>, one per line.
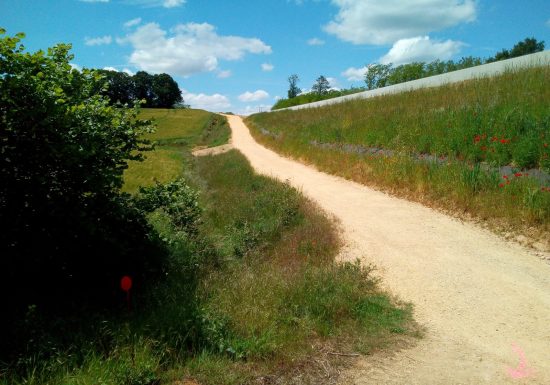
<point x="250" y="289"/>
<point x="479" y="148"/>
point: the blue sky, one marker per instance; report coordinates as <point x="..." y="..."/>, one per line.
<point x="236" y="55"/>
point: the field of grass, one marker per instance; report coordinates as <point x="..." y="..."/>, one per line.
<point x="466" y="147"/>
<point x="253" y="292"/>
<point x="177" y="133"/>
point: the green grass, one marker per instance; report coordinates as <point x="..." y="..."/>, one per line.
<point x="476" y="127"/>
<point x="178" y="131"/>
<point x="255" y="292"/>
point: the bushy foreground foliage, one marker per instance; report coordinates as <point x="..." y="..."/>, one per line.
<point x="67" y="234"/>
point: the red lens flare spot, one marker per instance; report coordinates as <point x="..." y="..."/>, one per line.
<point x="126" y="283"/>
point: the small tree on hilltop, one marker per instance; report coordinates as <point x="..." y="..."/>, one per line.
<point x="321" y="86"/>
<point x="293" y="89"/>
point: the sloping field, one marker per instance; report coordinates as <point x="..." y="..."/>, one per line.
<point x="479" y="148"/>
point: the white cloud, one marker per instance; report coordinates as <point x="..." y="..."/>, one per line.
<point x="353" y="73"/>
<point x="125" y="70"/>
<point x="267" y="67"/>
<point x="254" y="109"/>
<point x="103" y="40"/>
<point x="187" y="49"/>
<point x="110" y="69"/>
<point x="383" y="22"/>
<point x="172" y="3"/>
<point x="215" y="102"/>
<point x="157" y="3"/>
<point x="421" y="48"/>
<point x="133" y="22"/>
<point x="253" y="96"/>
<point x="224" y="74"/>
<point x="333" y="82"/>
<point x="75" y="66"/>
<point x="315" y="41"/>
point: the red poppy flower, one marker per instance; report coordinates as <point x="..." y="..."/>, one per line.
<point x="518" y="174"/>
<point x="501" y="185"/>
<point x="505" y="176"/>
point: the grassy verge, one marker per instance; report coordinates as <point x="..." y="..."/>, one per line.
<point x="472" y="148"/>
<point x="250" y="291"/>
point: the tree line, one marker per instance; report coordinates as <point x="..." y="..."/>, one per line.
<point x="382" y="75"/>
<point x="154" y="91"/>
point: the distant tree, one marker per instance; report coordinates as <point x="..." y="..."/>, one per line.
<point x="143" y="87"/>
<point x="293" y="89"/>
<point x="525" y="47"/>
<point x="120" y="87"/>
<point x="406" y="72"/>
<point x="377" y="75"/>
<point x="166" y="92"/>
<point x="321" y="86"/>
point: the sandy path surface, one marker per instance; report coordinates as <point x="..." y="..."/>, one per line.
<point x="485" y="302"/>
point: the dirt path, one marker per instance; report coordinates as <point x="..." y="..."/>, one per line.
<point x="485" y="302"/>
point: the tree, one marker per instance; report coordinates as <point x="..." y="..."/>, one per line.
<point x="321" y="86"/>
<point x="120" y="87"/>
<point x="67" y="233"/>
<point x="526" y="47"/>
<point x="143" y="87"/>
<point x="406" y="72"/>
<point x="293" y="89"/>
<point x="166" y="92"/>
<point x="377" y="75"/>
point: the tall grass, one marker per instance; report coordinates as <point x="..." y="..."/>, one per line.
<point x="467" y="131"/>
<point x="253" y="292"/>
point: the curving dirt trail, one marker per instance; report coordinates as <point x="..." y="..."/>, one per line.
<point x="485" y="302"/>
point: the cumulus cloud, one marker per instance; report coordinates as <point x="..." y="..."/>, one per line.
<point x="383" y="22"/>
<point x="267" y="67"/>
<point x="187" y="49"/>
<point x="75" y="66"/>
<point x="253" y="96"/>
<point x="224" y="74"/>
<point x="315" y="41"/>
<point x="133" y="22"/>
<point x="157" y="3"/>
<point x="353" y="74"/>
<point x="103" y="40"/>
<point x="215" y="102"/>
<point x="125" y="70"/>
<point x="172" y="3"/>
<point x="421" y="48"/>
<point x="254" y="109"/>
<point x="333" y="83"/>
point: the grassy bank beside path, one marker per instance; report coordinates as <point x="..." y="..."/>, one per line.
<point x="478" y="149"/>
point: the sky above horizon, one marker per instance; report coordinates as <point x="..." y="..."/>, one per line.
<point x="237" y="55"/>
